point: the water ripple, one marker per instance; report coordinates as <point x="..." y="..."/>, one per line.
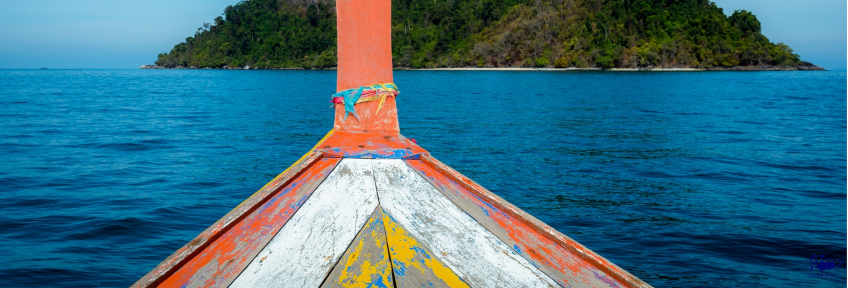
<point x="733" y="179"/>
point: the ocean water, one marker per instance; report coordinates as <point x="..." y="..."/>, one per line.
<point x="685" y="179"/>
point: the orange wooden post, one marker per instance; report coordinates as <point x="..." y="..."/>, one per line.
<point x="365" y="58"/>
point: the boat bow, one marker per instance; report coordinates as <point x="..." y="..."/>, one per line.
<point x="369" y="207"/>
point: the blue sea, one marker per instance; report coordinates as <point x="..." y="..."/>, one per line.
<point x="685" y="179"/>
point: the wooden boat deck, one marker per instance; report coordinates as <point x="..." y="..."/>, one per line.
<point x="383" y="214"/>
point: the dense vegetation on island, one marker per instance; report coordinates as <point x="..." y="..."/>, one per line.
<point x="491" y="33"/>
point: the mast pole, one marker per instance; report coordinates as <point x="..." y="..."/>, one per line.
<point x="365" y="58"/>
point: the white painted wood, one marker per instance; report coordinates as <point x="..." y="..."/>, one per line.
<point x="314" y="239"/>
<point x="465" y="246"/>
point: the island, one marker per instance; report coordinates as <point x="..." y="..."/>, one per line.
<point x="629" y="35"/>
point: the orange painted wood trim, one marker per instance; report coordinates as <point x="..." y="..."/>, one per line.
<point x="174" y="262"/>
<point x="365" y="58"/>
<point x="543" y="229"/>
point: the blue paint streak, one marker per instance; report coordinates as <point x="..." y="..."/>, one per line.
<point x="416" y="156"/>
<point x="421" y="251"/>
<point x="399" y="267"/>
<point x="377" y="283"/>
<point x="603" y="277"/>
<point x="375" y="154"/>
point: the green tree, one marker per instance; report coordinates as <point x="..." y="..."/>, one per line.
<point x="745" y="21"/>
<point x="491" y="33"/>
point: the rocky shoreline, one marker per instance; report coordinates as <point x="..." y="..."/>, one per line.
<point x="803" y="66"/>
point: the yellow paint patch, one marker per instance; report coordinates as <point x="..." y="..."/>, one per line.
<point x="366" y="261"/>
<point x="408" y="254"/>
<point x="367" y="270"/>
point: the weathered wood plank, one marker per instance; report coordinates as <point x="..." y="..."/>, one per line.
<point x="472" y="252"/>
<point x="501" y="208"/>
<point x="559" y="263"/>
<point x="413" y="264"/>
<point x="308" y="246"/>
<point x="226" y="257"/>
<point x="174" y="262"/>
<point x="366" y="262"/>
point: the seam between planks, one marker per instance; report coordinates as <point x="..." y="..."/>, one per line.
<point x="335" y="264"/>
<point x="420" y="242"/>
<point x="389" y="251"/>
<point x="385" y="233"/>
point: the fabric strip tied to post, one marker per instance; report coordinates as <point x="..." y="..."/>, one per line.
<point x="374" y="92"/>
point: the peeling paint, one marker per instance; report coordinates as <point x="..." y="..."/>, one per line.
<point x="455" y="238"/>
<point x="369" y="146"/>
<point x="366" y="261"/>
<point x="315" y="238"/>
<point x="408" y="253"/>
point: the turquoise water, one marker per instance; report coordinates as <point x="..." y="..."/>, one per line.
<point x="685" y="179"/>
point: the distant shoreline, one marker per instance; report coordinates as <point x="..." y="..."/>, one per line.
<point x="802" y="67"/>
<point x="562" y="69"/>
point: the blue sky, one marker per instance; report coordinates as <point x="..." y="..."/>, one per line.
<point x="127" y="34"/>
<point x="816" y="29"/>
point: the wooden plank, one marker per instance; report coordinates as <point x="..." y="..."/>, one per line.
<point x="472" y="252"/>
<point x="226" y="257"/>
<point x="501" y="208"/>
<point x="174" y="262"/>
<point x="562" y="265"/>
<point x="308" y="246"/>
<point x="413" y="264"/>
<point x="366" y="262"/>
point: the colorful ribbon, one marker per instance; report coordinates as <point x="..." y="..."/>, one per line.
<point x="374" y="92"/>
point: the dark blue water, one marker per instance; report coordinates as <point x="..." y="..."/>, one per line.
<point x="683" y="179"/>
